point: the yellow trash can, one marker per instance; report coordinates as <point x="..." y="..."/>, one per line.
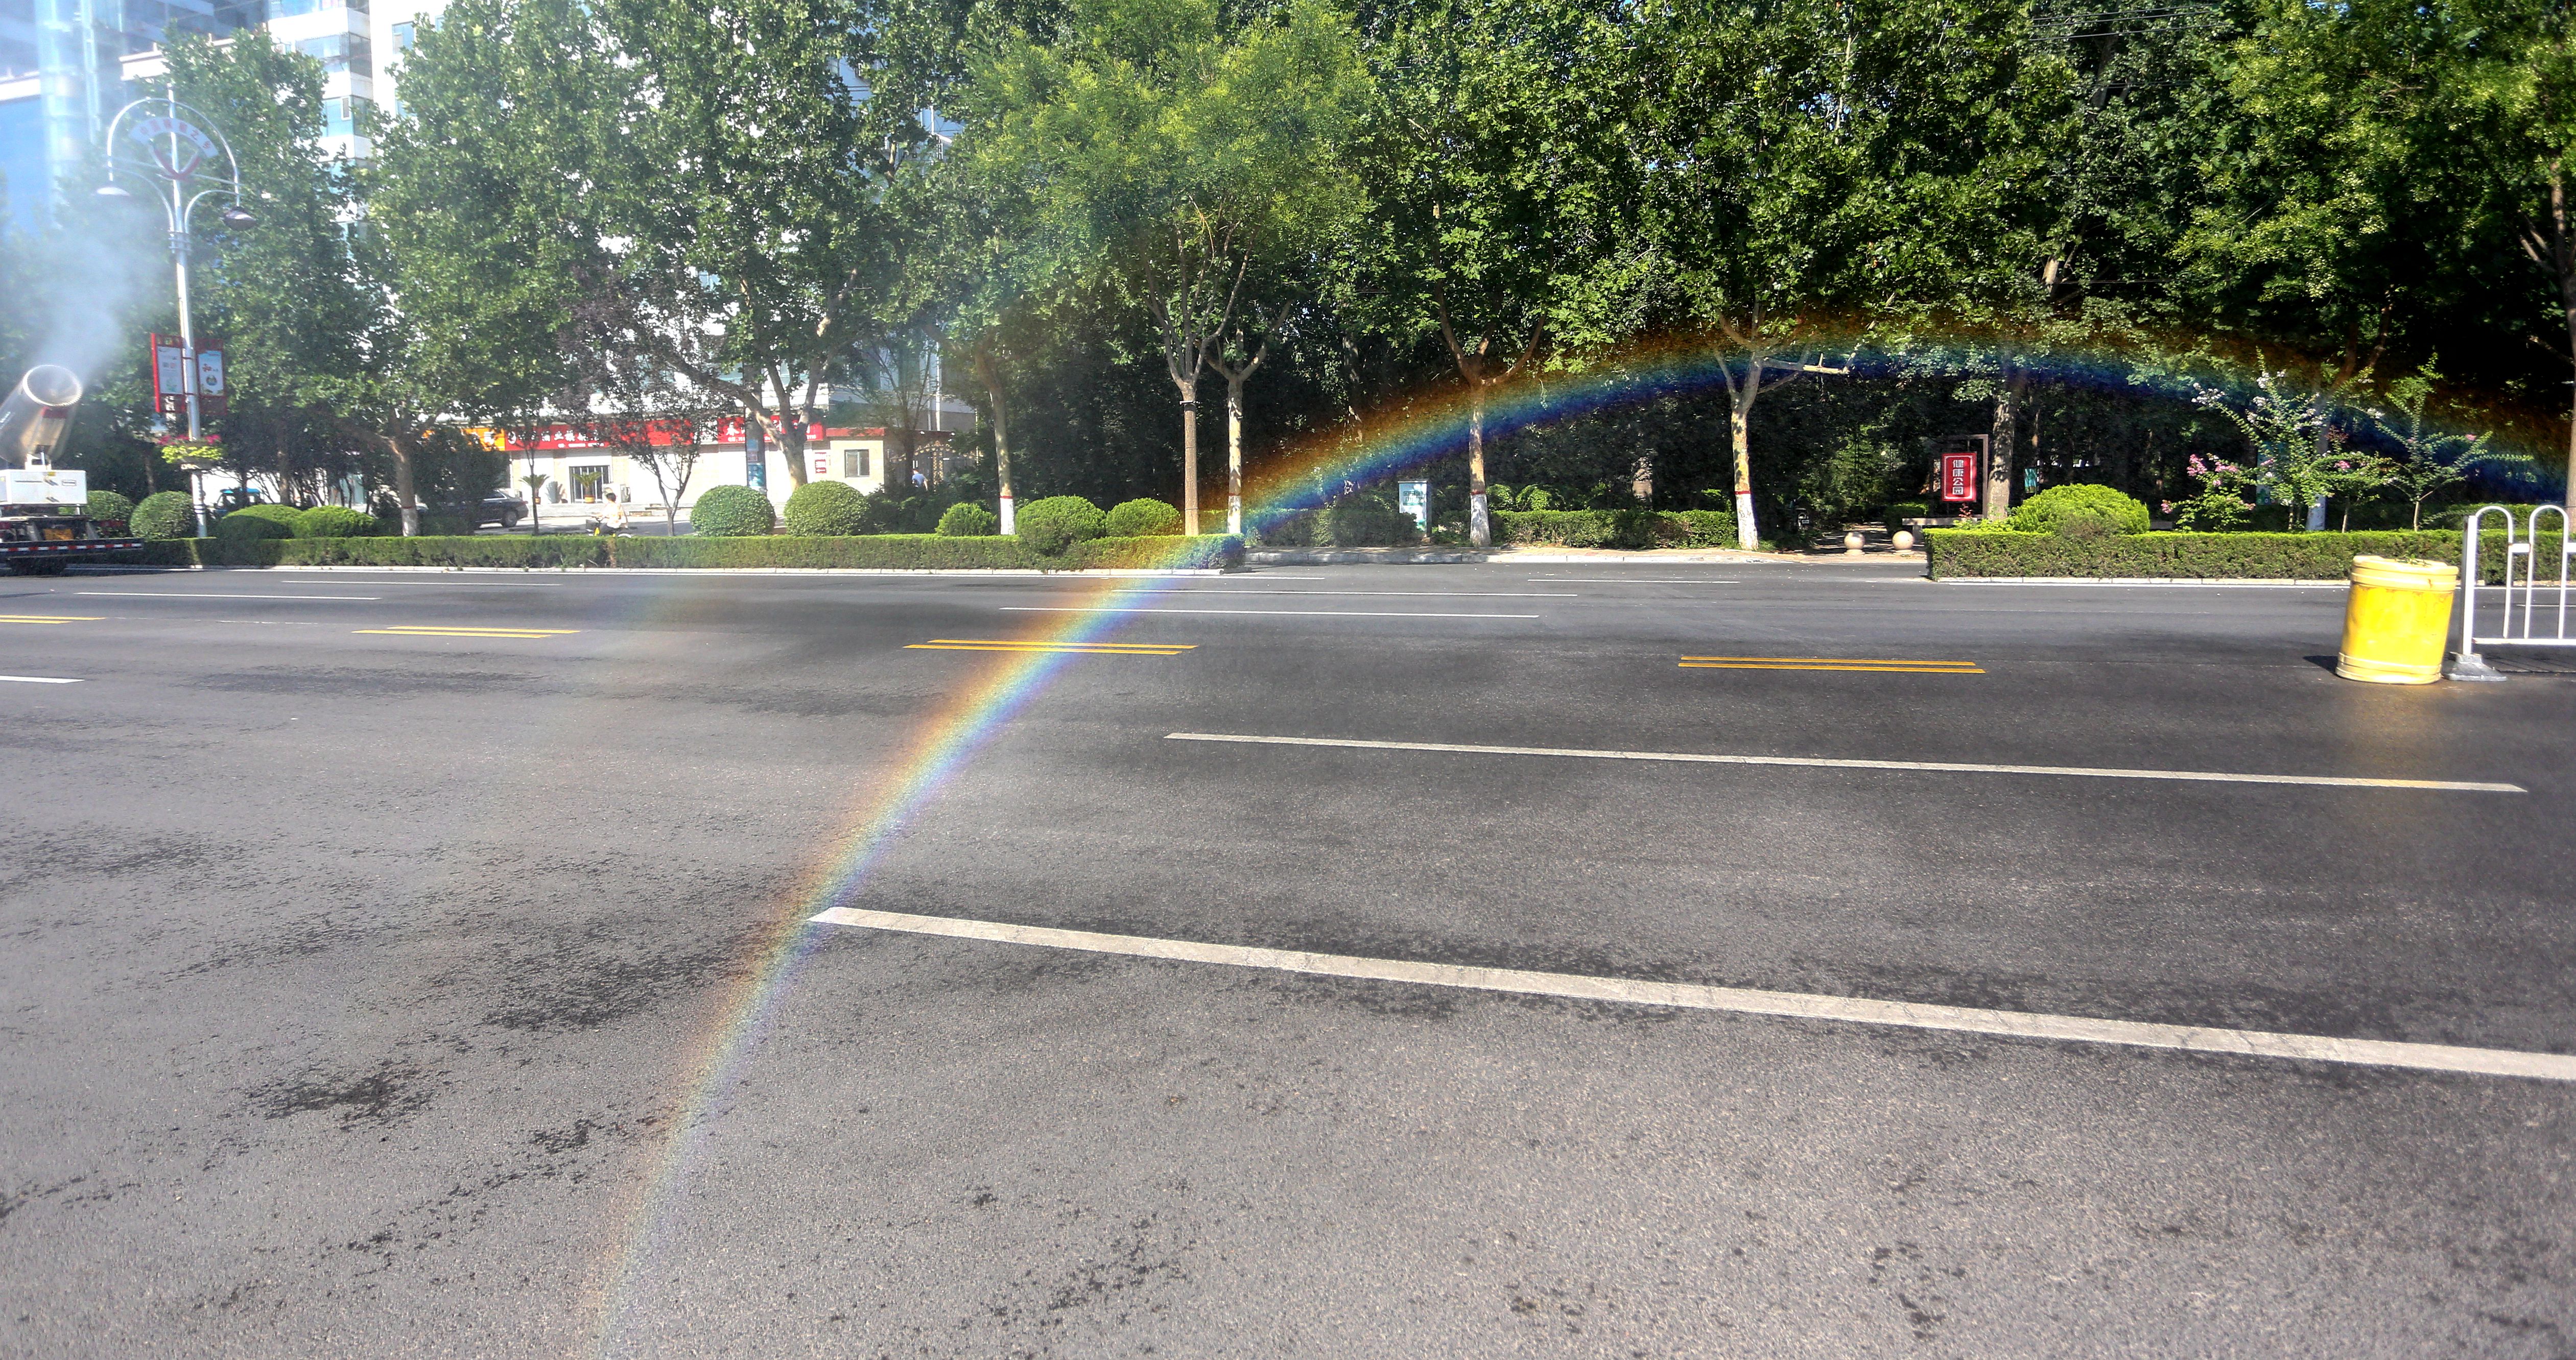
<point x="2397" y="622"/>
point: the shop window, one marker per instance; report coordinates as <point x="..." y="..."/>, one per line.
<point x="854" y="463"/>
<point x="587" y="480"/>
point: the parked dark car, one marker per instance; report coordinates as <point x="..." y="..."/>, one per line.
<point x="503" y="509"/>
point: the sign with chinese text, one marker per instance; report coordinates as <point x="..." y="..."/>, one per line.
<point x="1958" y="476"/>
<point x="211" y="388"/>
<point x="1414" y="498"/>
<point x="169" y="377"/>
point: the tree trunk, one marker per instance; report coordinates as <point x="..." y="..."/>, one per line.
<point x="404" y="495"/>
<point x="1480" y="524"/>
<point x="1234" y="453"/>
<point x="791" y="443"/>
<point x="989" y="373"/>
<point x="1739" y="429"/>
<point x="1190" y="457"/>
<point x="1999" y="446"/>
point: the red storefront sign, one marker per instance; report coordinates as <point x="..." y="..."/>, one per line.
<point x="657" y="433"/>
<point x="1958" y="476"/>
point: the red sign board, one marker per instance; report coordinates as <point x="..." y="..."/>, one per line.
<point x="176" y="372"/>
<point x="1958" y="476"/>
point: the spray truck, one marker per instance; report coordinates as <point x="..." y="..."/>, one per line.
<point x="44" y="511"/>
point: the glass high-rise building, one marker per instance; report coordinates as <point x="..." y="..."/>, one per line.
<point x="66" y="66"/>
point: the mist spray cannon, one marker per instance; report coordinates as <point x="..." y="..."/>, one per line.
<point x="44" y="512"/>
<point x="33" y="419"/>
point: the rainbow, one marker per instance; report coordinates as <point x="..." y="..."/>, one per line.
<point x="1405" y="438"/>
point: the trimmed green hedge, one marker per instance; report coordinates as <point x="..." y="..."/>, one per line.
<point x="2295" y="557"/>
<point x="966" y="519"/>
<point x="554" y="550"/>
<point x="931" y="551"/>
<point x="1633" y="529"/>
<point x="884" y="551"/>
<point x="2060" y="508"/>
<point x="165" y="515"/>
<point x="334" y="521"/>
<point x="1143" y="517"/>
<point x="731" y="511"/>
<point x="1057" y="523"/>
<point x="820" y="509"/>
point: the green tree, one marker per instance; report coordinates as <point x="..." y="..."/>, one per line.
<point x="1501" y="177"/>
<point x="1819" y="167"/>
<point x="1180" y="165"/>
<point x="297" y="299"/>
<point x="2429" y="462"/>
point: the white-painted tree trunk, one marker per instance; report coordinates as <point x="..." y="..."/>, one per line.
<point x="1233" y="454"/>
<point x="1480" y="525"/>
<point x="1190" y="458"/>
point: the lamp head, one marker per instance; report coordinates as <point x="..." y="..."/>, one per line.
<point x="112" y="189"/>
<point x="238" y="217"/>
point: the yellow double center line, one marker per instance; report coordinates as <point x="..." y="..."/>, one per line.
<point x="1828" y="663"/>
<point x="1074" y="648"/>
<point x="52" y="618"/>
<point x="426" y="630"/>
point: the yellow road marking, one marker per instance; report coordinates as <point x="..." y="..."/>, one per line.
<point x="1831" y="660"/>
<point x="1075" y="648"/>
<point x="1864" y="670"/>
<point x="1829" y="663"/>
<point x="53" y="618"/>
<point x="425" y="630"/>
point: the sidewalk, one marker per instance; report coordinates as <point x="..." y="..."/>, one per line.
<point x="1550" y="554"/>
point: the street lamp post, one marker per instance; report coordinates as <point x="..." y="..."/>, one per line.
<point x="177" y="150"/>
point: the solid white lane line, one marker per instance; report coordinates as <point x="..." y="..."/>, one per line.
<point x="2493" y="1062"/>
<point x="1277" y="613"/>
<point x="201" y="595"/>
<point x="1814" y="762"/>
<point x="1629" y="581"/>
<point x="38" y="680"/>
<point x="1452" y="594"/>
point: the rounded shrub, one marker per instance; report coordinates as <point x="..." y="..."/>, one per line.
<point x="2081" y="509"/>
<point x="247" y="526"/>
<point x="966" y="519"/>
<point x="819" y="510"/>
<point x="109" y="507"/>
<point x="1052" y="525"/>
<point x="334" y="521"/>
<point x="731" y="512"/>
<point x="1140" y="518"/>
<point x="275" y="514"/>
<point x="164" y="514"/>
<point x="1359" y="522"/>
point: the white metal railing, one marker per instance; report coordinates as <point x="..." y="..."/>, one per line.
<point x="2531" y="602"/>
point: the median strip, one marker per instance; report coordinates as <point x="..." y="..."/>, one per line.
<point x="1072" y="648"/>
<point x="2489" y="1062"/>
<point x="1821" y="763"/>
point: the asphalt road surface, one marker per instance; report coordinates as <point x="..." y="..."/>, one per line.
<point x="417" y="964"/>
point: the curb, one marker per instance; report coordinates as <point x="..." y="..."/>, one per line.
<point x="691" y="571"/>
<point x="2273" y="582"/>
<point x="1401" y="557"/>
